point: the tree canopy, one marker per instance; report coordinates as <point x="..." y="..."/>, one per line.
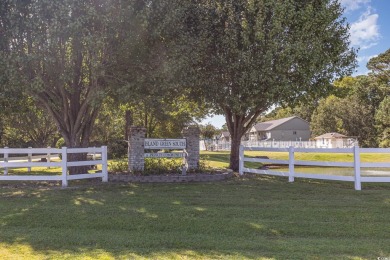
<point x="243" y="56"/>
<point x="237" y="57"/>
<point x="58" y="51"/>
<point x="360" y="107"/>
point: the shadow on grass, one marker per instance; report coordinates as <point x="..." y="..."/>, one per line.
<point x="249" y="217"/>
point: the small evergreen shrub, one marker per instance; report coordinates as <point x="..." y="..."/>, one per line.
<point x="158" y="166"/>
<point x="118" y="166"/>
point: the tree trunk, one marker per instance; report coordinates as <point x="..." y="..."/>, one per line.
<point x="75" y="141"/>
<point x="77" y="157"/>
<point x="238" y="125"/>
<point x="128" y="124"/>
<point x="235" y="151"/>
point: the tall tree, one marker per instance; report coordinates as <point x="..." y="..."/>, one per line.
<point x="245" y="56"/>
<point x="208" y="132"/>
<point x="143" y="67"/>
<point x="382" y="120"/>
<point x="58" y="50"/>
<point x="349" y="116"/>
<point x="380" y="71"/>
<point x="31" y="125"/>
<point x="380" y="66"/>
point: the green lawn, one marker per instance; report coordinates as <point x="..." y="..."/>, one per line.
<point x="249" y="218"/>
<point x="243" y="218"/>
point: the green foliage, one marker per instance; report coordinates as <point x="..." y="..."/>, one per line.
<point x="208" y="131"/>
<point x="242" y="57"/>
<point x="238" y="50"/>
<point x="118" y="166"/>
<point x="144" y="70"/>
<point x="59" y="52"/>
<point x="28" y="125"/>
<point x="60" y="143"/>
<point x="380" y="67"/>
<point x="164" y="117"/>
<point x="361" y="108"/>
<point x="157" y="166"/>
<point x="117" y="149"/>
<point x="382" y="119"/>
<point x="109" y="129"/>
<point x="348" y="116"/>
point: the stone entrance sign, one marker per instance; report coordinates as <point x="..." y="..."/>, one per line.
<point x="138" y="143"/>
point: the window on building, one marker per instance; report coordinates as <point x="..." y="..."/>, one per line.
<point x="294" y="132"/>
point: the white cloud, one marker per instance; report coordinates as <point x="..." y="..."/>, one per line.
<point x="351" y="5"/>
<point x="365" y="31"/>
<point x="365" y="59"/>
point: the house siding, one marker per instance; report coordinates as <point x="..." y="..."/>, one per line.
<point x="288" y="135"/>
<point x="295" y="129"/>
<point x="294" y="124"/>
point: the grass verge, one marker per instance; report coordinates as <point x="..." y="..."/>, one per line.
<point x="244" y="218"/>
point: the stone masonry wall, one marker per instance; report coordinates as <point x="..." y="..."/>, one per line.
<point x="136" y="148"/>
<point x="192" y="133"/>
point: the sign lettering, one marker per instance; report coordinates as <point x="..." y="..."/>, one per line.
<point x="164" y="155"/>
<point x="165" y="144"/>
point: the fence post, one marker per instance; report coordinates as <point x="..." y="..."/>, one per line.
<point x="64" y="165"/>
<point x="104" y="164"/>
<point x="6" y="161"/>
<point x="241" y="160"/>
<point x="291" y="161"/>
<point x="29" y="159"/>
<point x="48" y="157"/>
<point x="94" y="154"/>
<point x="356" y="165"/>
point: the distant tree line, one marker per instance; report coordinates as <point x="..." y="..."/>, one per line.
<point x="358" y="106"/>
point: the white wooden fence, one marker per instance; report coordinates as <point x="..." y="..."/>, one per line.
<point x="27" y="162"/>
<point x="291" y="162"/>
<point x="214" y="145"/>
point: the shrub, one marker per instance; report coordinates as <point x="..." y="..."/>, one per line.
<point x="60" y="143"/>
<point x="118" y="166"/>
<point x="116" y="149"/>
<point x="156" y="166"/>
<point x="159" y="166"/>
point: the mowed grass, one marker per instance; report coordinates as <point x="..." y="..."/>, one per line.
<point x="243" y="218"/>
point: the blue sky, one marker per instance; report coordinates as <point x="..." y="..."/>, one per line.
<point x="370" y="28"/>
<point x="369" y="22"/>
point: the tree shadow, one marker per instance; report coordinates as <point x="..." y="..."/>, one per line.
<point x="246" y="219"/>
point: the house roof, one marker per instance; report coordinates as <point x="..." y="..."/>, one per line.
<point x="269" y="125"/>
<point x="331" y="136"/>
<point x="225" y="134"/>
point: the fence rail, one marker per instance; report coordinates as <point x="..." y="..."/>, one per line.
<point x="291" y="162"/>
<point x="26" y="162"/>
<point x="215" y="145"/>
